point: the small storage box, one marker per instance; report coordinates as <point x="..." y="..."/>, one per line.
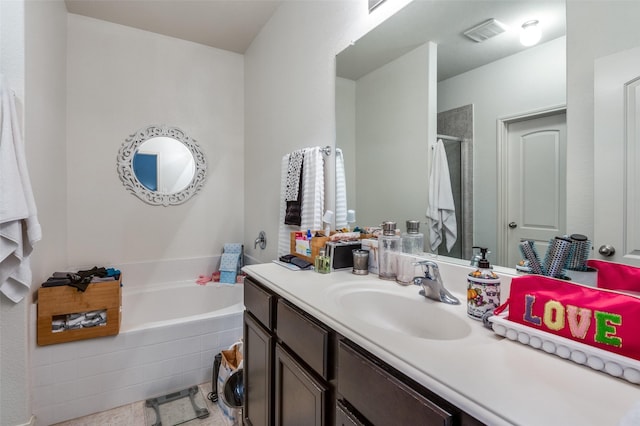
<point x="57" y="302"/>
<point x="315" y="245"/>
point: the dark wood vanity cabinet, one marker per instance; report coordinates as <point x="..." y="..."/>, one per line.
<point x="287" y="370"/>
<point x="300" y="372"/>
<point x="259" y="344"/>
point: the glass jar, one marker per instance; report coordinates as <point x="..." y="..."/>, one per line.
<point x="413" y="239"/>
<point x="388" y="244"/>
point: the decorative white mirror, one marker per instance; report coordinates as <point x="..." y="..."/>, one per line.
<point x="161" y="165"/>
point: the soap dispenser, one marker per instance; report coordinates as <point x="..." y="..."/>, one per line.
<point x="483" y="290"/>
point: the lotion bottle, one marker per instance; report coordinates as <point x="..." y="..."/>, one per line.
<point x="483" y="290"/>
<point x="322" y="263"/>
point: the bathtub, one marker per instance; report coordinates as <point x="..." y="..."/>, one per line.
<point x="169" y="336"/>
<point x="162" y="305"/>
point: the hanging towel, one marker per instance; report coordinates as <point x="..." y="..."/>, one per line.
<point x="441" y="210"/>
<point x="312" y="188"/>
<point x="19" y="227"/>
<point x="294" y="174"/>
<point x="312" y="197"/>
<point x="293" y="214"/>
<point x="341" y="191"/>
<point x="293" y="189"/>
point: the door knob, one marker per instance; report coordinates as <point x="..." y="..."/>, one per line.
<point x="606" y="250"/>
<point x="513" y="225"/>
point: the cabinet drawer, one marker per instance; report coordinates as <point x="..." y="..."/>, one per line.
<point x="382" y="398"/>
<point x="259" y="302"/>
<point x="344" y="417"/>
<point x="307" y="337"/>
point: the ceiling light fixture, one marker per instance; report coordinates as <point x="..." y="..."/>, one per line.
<point x="530" y="33"/>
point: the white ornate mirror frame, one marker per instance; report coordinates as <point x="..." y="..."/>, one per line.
<point x="131" y="182"/>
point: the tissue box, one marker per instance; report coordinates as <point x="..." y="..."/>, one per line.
<point x="606" y="317"/>
<point x="371" y="245"/>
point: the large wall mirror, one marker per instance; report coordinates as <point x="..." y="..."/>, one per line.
<point x="161" y="165"/>
<point x="417" y="78"/>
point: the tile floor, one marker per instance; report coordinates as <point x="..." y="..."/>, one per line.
<point x="133" y="415"/>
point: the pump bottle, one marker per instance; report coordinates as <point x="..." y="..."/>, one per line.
<point x="483" y="289"/>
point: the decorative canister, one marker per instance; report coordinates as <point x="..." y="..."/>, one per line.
<point x="483" y="290"/>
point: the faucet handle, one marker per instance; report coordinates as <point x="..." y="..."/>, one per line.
<point x="430" y="270"/>
<point x="427" y="263"/>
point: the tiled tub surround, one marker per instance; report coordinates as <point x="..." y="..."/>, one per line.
<point x="147" y="359"/>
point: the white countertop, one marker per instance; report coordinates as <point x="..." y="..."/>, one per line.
<point x="496" y="380"/>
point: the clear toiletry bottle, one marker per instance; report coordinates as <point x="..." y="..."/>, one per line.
<point x="413" y="239"/>
<point x="388" y="243"/>
<point x="321" y="262"/>
<point x="483" y="290"/>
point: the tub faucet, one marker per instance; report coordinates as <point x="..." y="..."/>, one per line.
<point x="432" y="286"/>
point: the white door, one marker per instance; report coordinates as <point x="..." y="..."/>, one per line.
<point x="536" y="188"/>
<point x="617" y="157"/>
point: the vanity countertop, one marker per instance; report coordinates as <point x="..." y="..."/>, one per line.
<point x="496" y="380"/>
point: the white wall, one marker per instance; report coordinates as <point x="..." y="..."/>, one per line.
<point x="33" y="58"/>
<point x="14" y="395"/>
<point x="346" y="134"/>
<point x="525" y="82"/>
<point x="594" y="29"/>
<point x="392" y="106"/>
<point x="290" y="92"/>
<point x="120" y="80"/>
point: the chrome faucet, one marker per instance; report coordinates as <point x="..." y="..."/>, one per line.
<point x="432" y="286"/>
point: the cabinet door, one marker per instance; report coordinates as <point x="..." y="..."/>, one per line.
<point x="258" y="373"/>
<point x="301" y="399"/>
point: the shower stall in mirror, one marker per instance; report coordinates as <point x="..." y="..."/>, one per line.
<point x="455" y="129"/>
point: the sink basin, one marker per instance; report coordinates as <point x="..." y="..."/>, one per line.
<point x="413" y="316"/>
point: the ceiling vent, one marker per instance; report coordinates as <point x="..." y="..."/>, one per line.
<point x="486" y="30"/>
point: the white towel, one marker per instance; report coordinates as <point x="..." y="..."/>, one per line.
<point x="341" y="191"/>
<point x="19" y="227"/>
<point x="312" y="189"/>
<point x="312" y="197"/>
<point x="441" y="210"/>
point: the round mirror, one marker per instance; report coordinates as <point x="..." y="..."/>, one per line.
<point x="161" y="165"/>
